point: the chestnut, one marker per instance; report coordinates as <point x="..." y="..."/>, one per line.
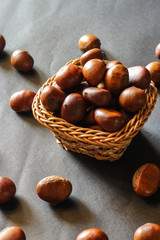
<point x="154" y="69"/>
<point x="88" y="41"/>
<point x="110" y="64"/>
<point x="73" y="108"/>
<point x="92" y="234"/>
<point x="157" y="51"/>
<point x="94" y="71"/>
<point x="132" y="99"/>
<point x="2" y="42"/>
<point x="148" y="231"/>
<point x="54" y="189"/>
<point x="139" y="77"/>
<point x="21" y="101"/>
<point x="146" y="180"/>
<point x="22" y="60"/>
<point x="96" y="127"/>
<point x="52" y="98"/>
<point x="109" y="119"/>
<point x="117" y="79"/>
<point x="91" y="54"/>
<point x="7" y="189"/>
<point x="69" y="77"/>
<point x="97" y="96"/>
<point x="14" y="233"/>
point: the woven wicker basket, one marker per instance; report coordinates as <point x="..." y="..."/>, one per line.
<point x="95" y="143"/>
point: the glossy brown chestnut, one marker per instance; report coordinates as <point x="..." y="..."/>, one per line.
<point x="21" y="101"/>
<point x="94" y="71"/>
<point x="2" y="42"/>
<point x="7" y="189"/>
<point x="22" y="60"/>
<point x="146" y="180"/>
<point x="154" y="69"/>
<point x="52" y="98"/>
<point x="91" y="54"/>
<point x="109" y="119"/>
<point x="132" y="99"/>
<point x="54" y="189"/>
<point x="157" y="51"/>
<point x="73" y="108"/>
<point x="88" y="41"/>
<point x="14" y="233"/>
<point x="139" y="77"/>
<point x="110" y="64"/>
<point x="69" y="77"/>
<point x="97" y="96"/>
<point x="117" y="79"/>
<point x="148" y="231"/>
<point x="92" y="234"/>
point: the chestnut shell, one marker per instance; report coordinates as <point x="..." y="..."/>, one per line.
<point x="52" y="98"/>
<point x="7" y="189"/>
<point x="139" y="77"/>
<point x="22" y="60"/>
<point x="117" y="79"/>
<point x="148" y="231"/>
<point x="88" y="41"/>
<point x="94" y="71"/>
<point x="69" y="77"/>
<point x="14" y="233"/>
<point x="109" y="119"/>
<point x="97" y="96"/>
<point x="91" y="54"/>
<point x="132" y="99"/>
<point x="154" y="69"/>
<point x="73" y="108"/>
<point x="92" y="234"/>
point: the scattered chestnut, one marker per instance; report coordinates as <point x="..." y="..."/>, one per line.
<point x="91" y="54"/>
<point x="148" y="231"/>
<point x="14" y="233"/>
<point x="22" y="60"/>
<point x="21" y="101"/>
<point x="109" y="119"/>
<point x="146" y="180"/>
<point x="94" y="71"/>
<point x="112" y="63"/>
<point x="97" y="96"/>
<point x="7" y="189"/>
<point x="92" y="234"/>
<point x="154" y="69"/>
<point x="2" y="42"/>
<point x="132" y="99"/>
<point x="139" y="77"/>
<point x="73" y="108"/>
<point x="87" y="42"/>
<point x="157" y="51"/>
<point x="69" y="77"/>
<point x="54" y="189"/>
<point x="116" y="79"/>
<point x="52" y="98"/>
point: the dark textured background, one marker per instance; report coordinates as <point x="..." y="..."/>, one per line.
<point x="102" y="194"/>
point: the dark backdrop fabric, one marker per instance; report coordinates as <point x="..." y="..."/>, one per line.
<point x="102" y="195"/>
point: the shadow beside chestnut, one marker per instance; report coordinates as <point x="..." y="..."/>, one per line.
<point x="73" y="210"/>
<point x="5" y="61"/>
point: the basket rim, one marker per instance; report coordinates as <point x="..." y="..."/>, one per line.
<point x="83" y="134"/>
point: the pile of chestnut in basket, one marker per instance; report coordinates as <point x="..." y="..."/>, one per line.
<point x="96" y="93"/>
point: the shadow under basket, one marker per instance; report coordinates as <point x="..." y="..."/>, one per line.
<point x="98" y="144"/>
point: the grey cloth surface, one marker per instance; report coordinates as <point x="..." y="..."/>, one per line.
<point x="102" y="195"/>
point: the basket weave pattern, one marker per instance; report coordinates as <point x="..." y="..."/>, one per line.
<point x="98" y="144"/>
